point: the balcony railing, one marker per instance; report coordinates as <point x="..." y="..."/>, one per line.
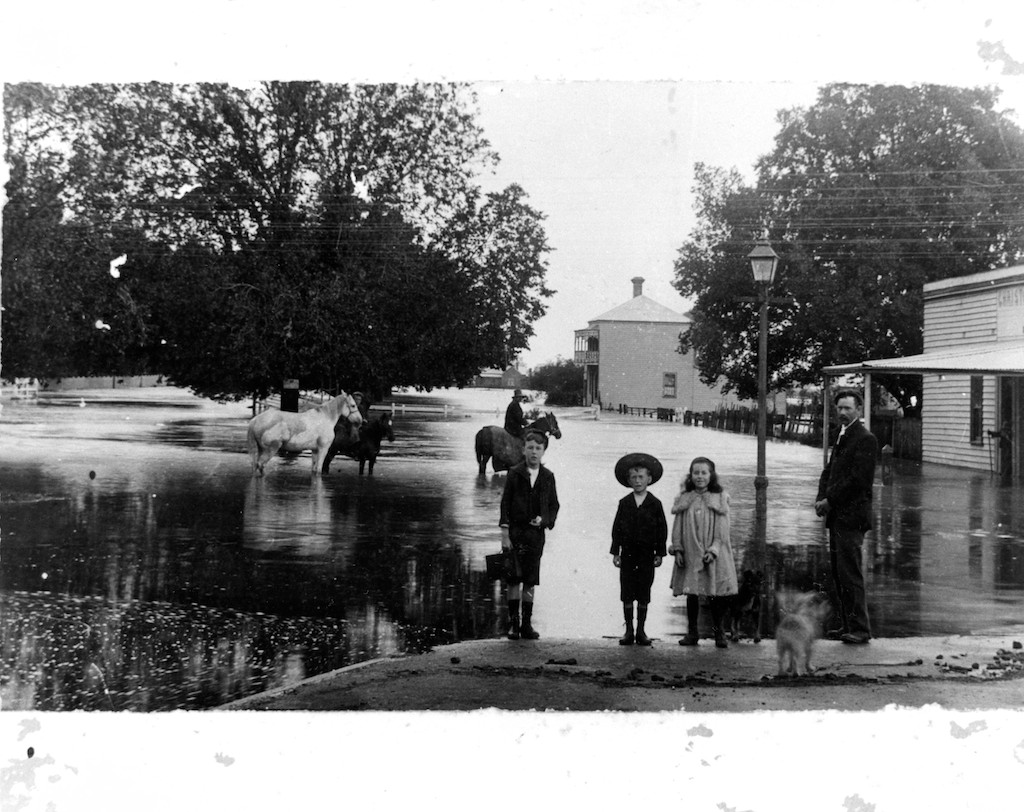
<point x="586" y="346"/>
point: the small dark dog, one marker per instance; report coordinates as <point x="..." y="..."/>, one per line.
<point x="803" y="614"/>
<point x="745" y="608"/>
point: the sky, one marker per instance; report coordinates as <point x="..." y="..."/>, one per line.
<point x="610" y="163"/>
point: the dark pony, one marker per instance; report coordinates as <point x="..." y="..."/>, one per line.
<point x="365" y="449"/>
<point x="503" y="450"/>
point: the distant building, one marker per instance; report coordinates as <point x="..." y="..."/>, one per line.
<point x="972" y="368"/>
<point x="630" y="358"/>
<point x="510" y="378"/>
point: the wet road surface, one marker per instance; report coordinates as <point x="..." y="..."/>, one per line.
<point x="144" y="568"/>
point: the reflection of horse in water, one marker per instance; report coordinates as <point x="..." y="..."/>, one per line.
<point x="495" y="444"/>
<point x="314" y="429"/>
<point x="291" y="522"/>
<point x="366" y="446"/>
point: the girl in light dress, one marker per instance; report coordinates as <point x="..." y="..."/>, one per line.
<point x="701" y="546"/>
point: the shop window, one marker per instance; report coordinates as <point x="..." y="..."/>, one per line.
<point x="977" y="408"/>
<point x="668" y="385"/>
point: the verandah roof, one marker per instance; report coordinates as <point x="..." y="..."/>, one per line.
<point x="1000" y="358"/>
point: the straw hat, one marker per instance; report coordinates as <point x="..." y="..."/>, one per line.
<point x="636" y="460"/>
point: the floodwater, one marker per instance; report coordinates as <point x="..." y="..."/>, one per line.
<point x="143" y="568"/>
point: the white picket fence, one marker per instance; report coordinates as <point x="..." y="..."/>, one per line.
<point x="313" y="399"/>
<point x="20" y="388"/>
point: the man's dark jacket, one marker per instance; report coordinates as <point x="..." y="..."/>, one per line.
<point x="514" y="419"/>
<point x="847" y="479"/>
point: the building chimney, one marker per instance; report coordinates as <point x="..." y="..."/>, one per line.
<point x="638" y="286"/>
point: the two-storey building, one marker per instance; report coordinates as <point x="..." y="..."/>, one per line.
<point x="631" y="357"/>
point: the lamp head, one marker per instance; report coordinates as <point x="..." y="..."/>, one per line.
<point x="763" y="262"/>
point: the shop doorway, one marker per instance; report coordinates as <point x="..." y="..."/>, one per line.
<point x="1011" y="427"/>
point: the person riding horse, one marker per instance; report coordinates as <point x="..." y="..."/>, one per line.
<point x="363" y="403"/>
<point x="514" y="420"/>
<point x="497" y="444"/>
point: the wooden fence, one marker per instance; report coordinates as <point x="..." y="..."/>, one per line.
<point x="658" y="413"/>
<point x="903" y="435"/>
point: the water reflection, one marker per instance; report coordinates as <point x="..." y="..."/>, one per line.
<point x="94" y="654"/>
<point x="144" y="568"/>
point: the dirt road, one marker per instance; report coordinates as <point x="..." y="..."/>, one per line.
<point x="963" y="672"/>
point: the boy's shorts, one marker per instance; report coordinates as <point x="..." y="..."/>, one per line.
<point x="529" y="548"/>
<point x="635" y="580"/>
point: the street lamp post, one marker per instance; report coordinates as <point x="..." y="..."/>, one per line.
<point x="763" y="262"/>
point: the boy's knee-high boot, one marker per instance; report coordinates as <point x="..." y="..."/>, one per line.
<point x="717" y="620"/>
<point x="641" y="617"/>
<point x="513" y="619"/>
<point x="692" y="635"/>
<point x="628" y="638"/>
<point x="527" y="630"/>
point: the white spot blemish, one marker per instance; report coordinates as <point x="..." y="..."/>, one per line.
<point x="854" y="803"/>
<point x="115" y="264"/>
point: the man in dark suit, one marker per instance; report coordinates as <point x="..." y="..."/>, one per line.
<point x="514" y="421"/>
<point x="844" y="499"/>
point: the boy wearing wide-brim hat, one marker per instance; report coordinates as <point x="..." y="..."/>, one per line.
<point x="639" y="534"/>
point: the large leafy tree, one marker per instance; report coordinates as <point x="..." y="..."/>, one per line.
<point x="501" y="245"/>
<point x="563" y="382"/>
<point x="286" y="230"/>
<point x="867" y="195"/>
<point x="63" y="314"/>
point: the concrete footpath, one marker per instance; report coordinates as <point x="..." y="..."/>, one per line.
<point x="957" y="673"/>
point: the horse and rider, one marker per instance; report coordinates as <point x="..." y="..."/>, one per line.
<point x="503" y="445"/>
<point x="314" y="430"/>
<point x="366" y="447"/>
<point x="344" y="425"/>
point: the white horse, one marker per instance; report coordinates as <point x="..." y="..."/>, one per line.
<point x="273" y="430"/>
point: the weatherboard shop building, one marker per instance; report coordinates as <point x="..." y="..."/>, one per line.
<point x="630" y="358"/>
<point x="972" y="368"/>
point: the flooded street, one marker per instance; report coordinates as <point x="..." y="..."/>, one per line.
<point x="143" y="568"/>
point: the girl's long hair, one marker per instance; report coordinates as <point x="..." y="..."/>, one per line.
<point x="713" y="485"/>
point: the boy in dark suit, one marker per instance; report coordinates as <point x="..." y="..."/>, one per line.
<point x="529" y="506"/>
<point x="639" y="533"/>
<point x="844" y="499"/>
